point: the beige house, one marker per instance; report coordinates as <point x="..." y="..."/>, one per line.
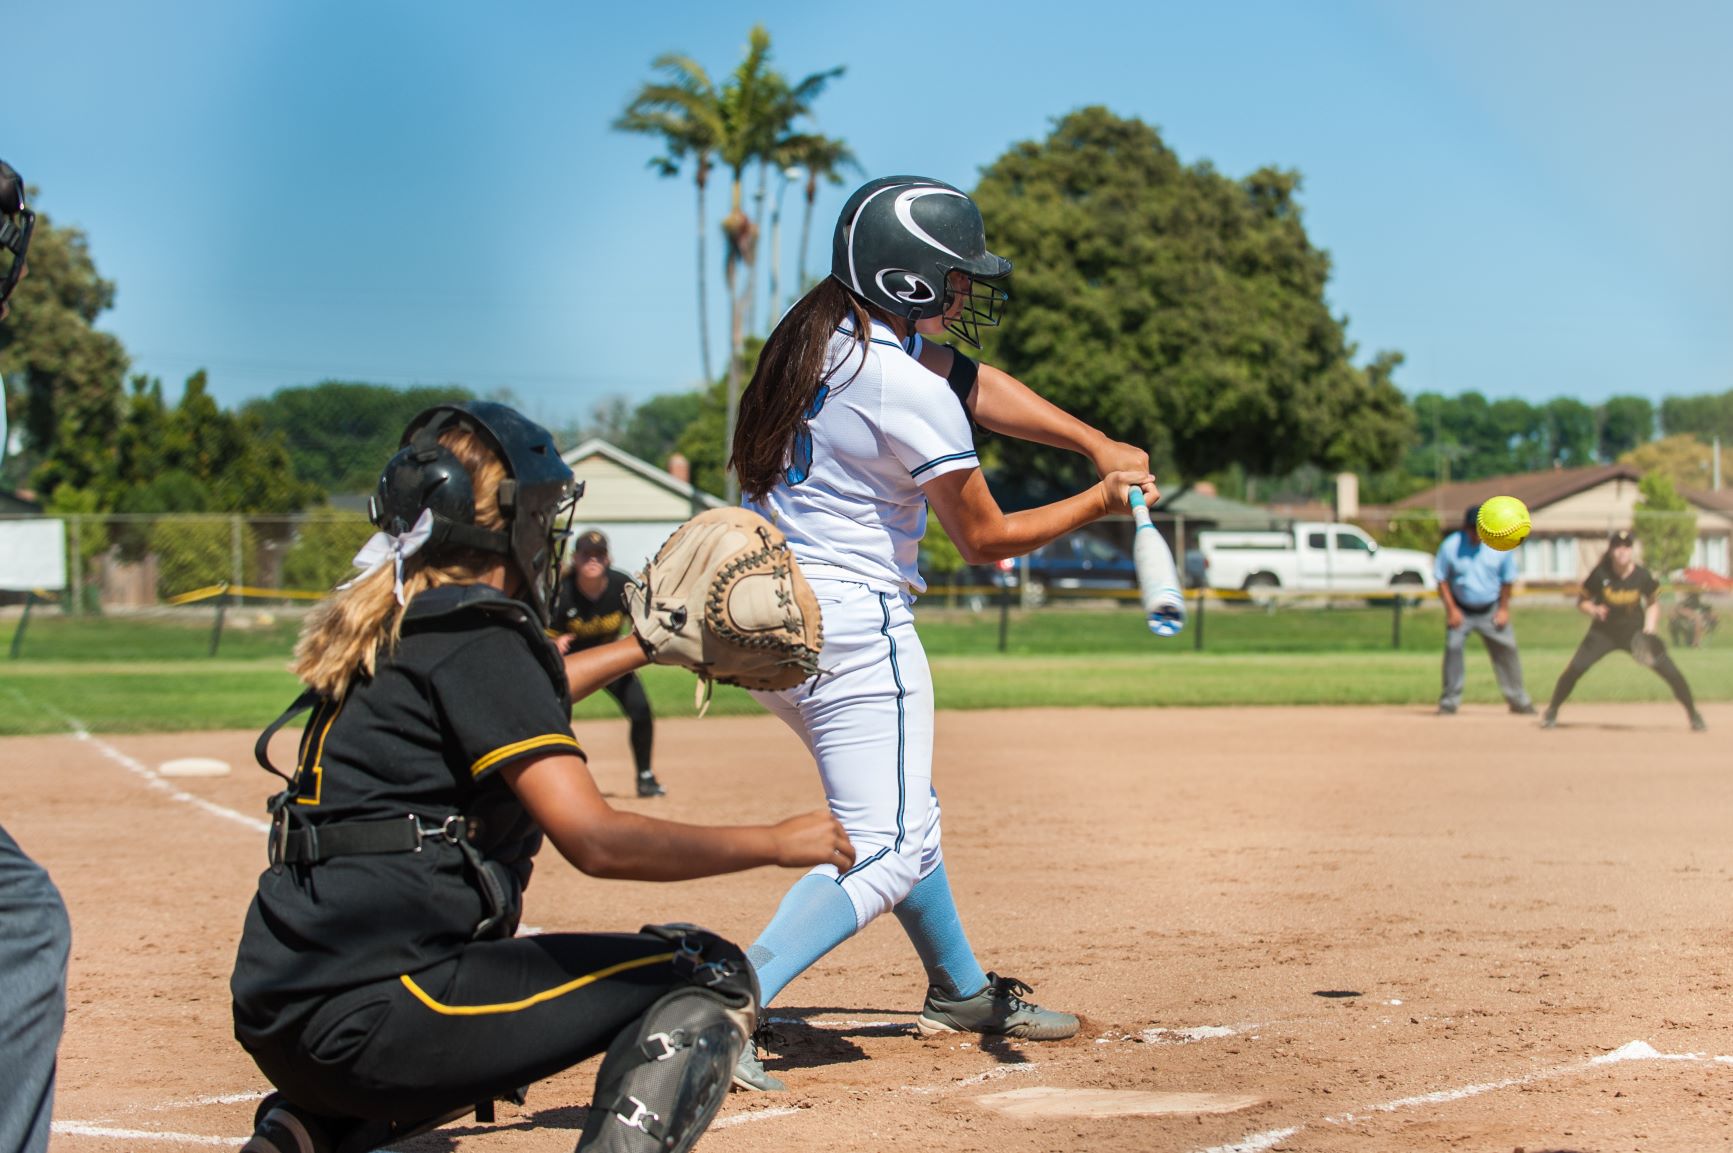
<point x="1572" y="511"/>
<point x="634" y="503"/>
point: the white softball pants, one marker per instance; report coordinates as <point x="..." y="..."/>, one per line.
<point x="868" y="721"/>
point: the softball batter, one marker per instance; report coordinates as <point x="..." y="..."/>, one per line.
<point x="379" y="985"/>
<point x="850" y="429"/>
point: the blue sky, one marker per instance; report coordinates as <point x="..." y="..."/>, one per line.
<point x="1526" y="198"/>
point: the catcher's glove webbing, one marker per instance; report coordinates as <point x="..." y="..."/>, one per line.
<point x="725" y="598"/>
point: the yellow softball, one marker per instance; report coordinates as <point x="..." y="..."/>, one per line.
<point x="1502" y="523"/>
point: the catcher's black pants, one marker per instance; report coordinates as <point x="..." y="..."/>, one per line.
<point x="1598" y="644"/>
<point x="497" y="1017"/>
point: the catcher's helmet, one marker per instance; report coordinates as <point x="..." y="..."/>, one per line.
<point x="16" y="223"/>
<point x="536" y="498"/>
<point x="898" y="240"/>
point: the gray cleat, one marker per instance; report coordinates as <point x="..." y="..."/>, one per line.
<point x="749" y="1073"/>
<point x="997" y="1010"/>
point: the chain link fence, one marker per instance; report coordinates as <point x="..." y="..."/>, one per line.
<point x="198" y="574"/>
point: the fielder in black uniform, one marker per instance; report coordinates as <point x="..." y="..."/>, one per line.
<point x="589" y="610"/>
<point x="1620" y="596"/>
<point x="379" y="985"/>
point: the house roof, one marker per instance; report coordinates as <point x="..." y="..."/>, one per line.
<point x="1535" y="489"/>
<point x="596" y="446"/>
<point x="1704" y="498"/>
<point x="1225" y="513"/>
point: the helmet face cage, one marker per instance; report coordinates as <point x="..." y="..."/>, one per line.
<point x="983" y="307"/>
<point x="16" y="224"/>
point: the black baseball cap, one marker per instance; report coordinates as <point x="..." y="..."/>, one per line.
<point x="1620" y="536"/>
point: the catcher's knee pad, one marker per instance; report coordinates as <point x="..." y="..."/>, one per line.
<point x="665" y="1076"/>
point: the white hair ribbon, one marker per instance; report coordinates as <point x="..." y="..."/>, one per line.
<point x="384" y="547"/>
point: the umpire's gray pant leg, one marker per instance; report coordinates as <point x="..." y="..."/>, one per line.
<point x="1454" y="674"/>
<point x="1506" y="664"/>
<point x="35" y="938"/>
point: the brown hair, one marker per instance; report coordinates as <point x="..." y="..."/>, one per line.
<point x="790" y="371"/>
<point x="344" y="635"/>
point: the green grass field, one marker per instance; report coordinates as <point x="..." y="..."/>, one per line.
<point x="136" y="675"/>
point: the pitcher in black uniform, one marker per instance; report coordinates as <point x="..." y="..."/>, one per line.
<point x="379" y="985"/>
<point x="590" y="610"/>
<point x="1620" y="596"/>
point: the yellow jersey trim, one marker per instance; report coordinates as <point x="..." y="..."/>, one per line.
<point x="421" y="994"/>
<point x="506" y="752"/>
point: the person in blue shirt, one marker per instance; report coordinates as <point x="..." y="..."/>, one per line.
<point x="1474" y="582"/>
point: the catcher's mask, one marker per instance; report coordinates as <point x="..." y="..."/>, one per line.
<point x="897" y="242"/>
<point x="16" y="224"/>
<point x="536" y="498"/>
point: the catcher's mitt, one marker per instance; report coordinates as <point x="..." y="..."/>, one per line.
<point x="1648" y="649"/>
<point x="725" y="598"/>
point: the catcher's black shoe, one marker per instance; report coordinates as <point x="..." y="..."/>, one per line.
<point x="1526" y="709"/>
<point x="285" y="1128"/>
<point x="649" y="786"/>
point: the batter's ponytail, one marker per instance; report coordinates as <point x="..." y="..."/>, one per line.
<point x="344" y="636"/>
<point x="789" y="373"/>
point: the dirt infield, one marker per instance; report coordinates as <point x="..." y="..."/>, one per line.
<point x="1306" y="929"/>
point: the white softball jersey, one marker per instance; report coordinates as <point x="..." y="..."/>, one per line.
<point x="850" y="502"/>
<point x="852" y="508"/>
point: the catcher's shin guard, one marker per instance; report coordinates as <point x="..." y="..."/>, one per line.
<point x="665" y="1076"/>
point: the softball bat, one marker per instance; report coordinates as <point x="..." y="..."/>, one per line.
<point x="1157" y="578"/>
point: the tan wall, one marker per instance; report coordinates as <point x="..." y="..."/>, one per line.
<point x="1597" y="510"/>
<point x="613" y="493"/>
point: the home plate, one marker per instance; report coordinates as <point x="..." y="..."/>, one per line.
<point x="194" y="767"/>
<point x="1050" y="1101"/>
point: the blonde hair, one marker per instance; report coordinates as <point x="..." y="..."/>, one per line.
<point x="344" y="636"/>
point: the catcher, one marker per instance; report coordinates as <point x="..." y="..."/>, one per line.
<point x="1620" y="597"/>
<point x="379" y="985"/>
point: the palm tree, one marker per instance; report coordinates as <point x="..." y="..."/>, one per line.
<point x="684" y="110"/>
<point x="824" y="158"/>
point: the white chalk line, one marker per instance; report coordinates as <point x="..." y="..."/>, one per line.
<point x="85" y="1129"/>
<point x="75" y="729"/>
<point x="755" y="1115"/>
<point x="1632" y="1051"/>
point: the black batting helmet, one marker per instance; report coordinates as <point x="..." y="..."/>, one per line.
<point x="898" y="240"/>
<point x="536" y="498"/>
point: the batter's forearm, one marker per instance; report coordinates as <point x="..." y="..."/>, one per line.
<point x="1024" y="532"/>
<point x="1009" y="407"/>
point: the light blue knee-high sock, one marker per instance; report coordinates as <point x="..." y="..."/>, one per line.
<point x="929" y="916"/>
<point x="815" y="917"/>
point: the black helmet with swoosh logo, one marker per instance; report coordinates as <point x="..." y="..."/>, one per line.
<point x="898" y="240"/>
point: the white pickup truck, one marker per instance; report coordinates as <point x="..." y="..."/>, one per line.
<point x="1310" y="556"/>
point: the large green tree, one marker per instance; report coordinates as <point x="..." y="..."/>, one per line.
<point x="65" y="380"/>
<point x="1626" y="422"/>
<point x="339" y="433"/>
<point x="1666" y="525"/>
<point x="1702" y="416"/>
<point x="1174" y="307"/>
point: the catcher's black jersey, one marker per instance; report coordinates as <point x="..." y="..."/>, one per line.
<point x="590" y="622"/>
<point x="1625" y="598"/>
<point x="463" y="696"/>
